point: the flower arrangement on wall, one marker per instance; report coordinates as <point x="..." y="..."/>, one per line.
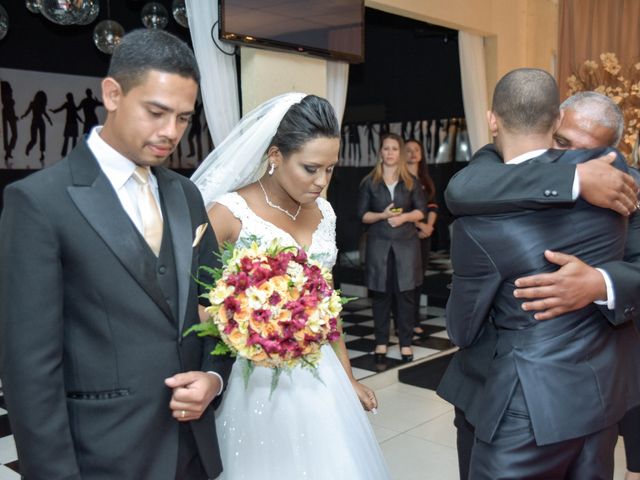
<point x="622" y="85"/>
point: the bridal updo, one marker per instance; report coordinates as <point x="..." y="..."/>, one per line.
<point x="313" y="117"/>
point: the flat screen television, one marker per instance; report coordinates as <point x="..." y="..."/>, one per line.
<point x="328" y="28"/>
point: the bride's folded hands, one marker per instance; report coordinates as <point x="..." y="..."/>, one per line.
<point x="366" y="396"/>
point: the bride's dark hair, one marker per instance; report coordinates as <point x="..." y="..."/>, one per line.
<point x="313" y="117"/>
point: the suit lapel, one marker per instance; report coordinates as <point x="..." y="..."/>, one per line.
<point x="177" y="210"/>
<point x="94" y="196"/>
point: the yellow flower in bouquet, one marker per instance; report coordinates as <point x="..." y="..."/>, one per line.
<point x="621" y="84"/>
<point x="273" y="306"/>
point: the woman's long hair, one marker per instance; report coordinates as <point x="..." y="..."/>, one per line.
<point x="423" y="173"/>
<point x="403" y="172"/>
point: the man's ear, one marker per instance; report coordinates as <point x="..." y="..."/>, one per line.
<point x="111" y="94"/>
<point x="558" y="122"/>
<point x="492" y="121"/>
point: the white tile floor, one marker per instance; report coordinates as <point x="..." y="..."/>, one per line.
<point x="415" y="430"/>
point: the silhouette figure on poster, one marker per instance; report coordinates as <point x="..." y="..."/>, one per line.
<point x="88" y="106"/>
<point x="195" y="132"/>
<point x="70" y="123"/>
<point x="38" y="110"/>
<point x="9" y="121"/>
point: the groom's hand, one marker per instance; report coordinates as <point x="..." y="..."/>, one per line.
<point x="192" y="394"/>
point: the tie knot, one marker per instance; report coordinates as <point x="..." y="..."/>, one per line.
<point x="141" y="175"/>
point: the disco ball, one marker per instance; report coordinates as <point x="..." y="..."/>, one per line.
<point x="179" y="10"/>
<point x="154" y="15"/>
<point x="4" y="22"/>
<point x="33" y="5"/>
<point x="107" y="35"/>
<point x="62" y="12"/>
<point x="89" y="12"/>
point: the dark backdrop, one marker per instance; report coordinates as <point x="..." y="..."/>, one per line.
<point x="411" y="72"/>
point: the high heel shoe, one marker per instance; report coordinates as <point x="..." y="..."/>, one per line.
<point x="380" y="357"/>
<point x="406" y="358"/>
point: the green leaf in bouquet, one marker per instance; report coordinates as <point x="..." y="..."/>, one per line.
<point x="275" y="378"/>
<point x="225" y="254"/>
<point x="222" y="349"/>
<point x="247" y="370"/>
<point x="345" y="300"/>
<point x="203" y="329"/>
<point x="313" y="369"/>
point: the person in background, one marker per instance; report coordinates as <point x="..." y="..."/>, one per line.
<point x="390" y="201"/>
<point x="417" y="165"/>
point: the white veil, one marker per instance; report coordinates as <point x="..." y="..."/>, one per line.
<point x="240" y="158"/>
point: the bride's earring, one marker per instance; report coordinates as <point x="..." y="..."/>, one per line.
<point x="272" y="169"/>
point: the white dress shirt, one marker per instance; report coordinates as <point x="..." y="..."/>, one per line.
<point x="119" y="170"/>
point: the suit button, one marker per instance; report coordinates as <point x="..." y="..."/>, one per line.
<point x="162" y="269"/>
<point x="547" y="193"/>
<point x="554" y="193"/>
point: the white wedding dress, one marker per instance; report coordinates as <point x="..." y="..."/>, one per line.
<point x="308" y="429"/>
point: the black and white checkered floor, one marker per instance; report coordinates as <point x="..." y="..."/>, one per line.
<point x="358" y="322"/>
<point x="358" y="328"/>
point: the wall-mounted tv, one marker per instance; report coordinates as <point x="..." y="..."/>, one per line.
<point x="329" y="28"/>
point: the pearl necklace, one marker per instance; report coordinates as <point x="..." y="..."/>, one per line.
<point x="278" y="207"/>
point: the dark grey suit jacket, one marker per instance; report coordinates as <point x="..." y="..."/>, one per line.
<point x="574" y="363"/>
<point x="86" y="334"/>
<point x="381" y="237"/>
<point x="474" y="190"/>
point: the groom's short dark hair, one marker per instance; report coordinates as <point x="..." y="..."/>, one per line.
<point x="142" y="50"/>
<point x="527" y="100"/>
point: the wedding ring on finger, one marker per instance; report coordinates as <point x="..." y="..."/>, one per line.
<point x="183" y="413"/>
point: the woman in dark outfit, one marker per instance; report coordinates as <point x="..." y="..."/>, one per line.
<point x="390" y="201"/>
<point x="417" y="165"/>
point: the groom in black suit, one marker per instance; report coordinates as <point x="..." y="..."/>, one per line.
<point x="96" y="290"/>
<point x="556" y="388"/>
<point x="590" y="120"/>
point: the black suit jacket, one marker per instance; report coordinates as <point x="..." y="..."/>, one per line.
<point x="381" y="237"/>
<point x="86" y="335"/>
<point x="572" y="368"/>
<point x="476" y="190"/>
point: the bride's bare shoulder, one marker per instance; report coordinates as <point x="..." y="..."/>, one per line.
<point x="225" y="224"/>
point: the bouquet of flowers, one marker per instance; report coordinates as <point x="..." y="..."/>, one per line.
<point x="622" y="85"/>
<point x="273" y="306"/>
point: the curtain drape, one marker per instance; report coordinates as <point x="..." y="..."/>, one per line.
<point x="588" y="28"/>
<point x="218" y="84"/>
<point x="474" y="88"/>
<point x="337" y="84"/>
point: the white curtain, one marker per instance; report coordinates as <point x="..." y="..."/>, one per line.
<point x="218" y="83"/>
<point x="337" y="83"/>
<point x="474" y="88"/>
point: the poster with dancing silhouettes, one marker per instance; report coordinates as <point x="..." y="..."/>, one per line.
<point x="45" y="114"/>
<point x="444" y="140"/>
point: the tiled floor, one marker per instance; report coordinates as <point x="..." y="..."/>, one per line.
<point x="413" y="425"/>
<point x="415" y="430"/>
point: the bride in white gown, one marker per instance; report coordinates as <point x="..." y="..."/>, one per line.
<point x="265" y="181"/>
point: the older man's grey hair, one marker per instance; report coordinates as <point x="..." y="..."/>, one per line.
<point x="594" y="107"/>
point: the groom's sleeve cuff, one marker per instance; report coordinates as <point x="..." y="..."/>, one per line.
<point x="221" y="381"/>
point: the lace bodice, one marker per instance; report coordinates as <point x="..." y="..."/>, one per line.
<point x="323" y="242"/>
